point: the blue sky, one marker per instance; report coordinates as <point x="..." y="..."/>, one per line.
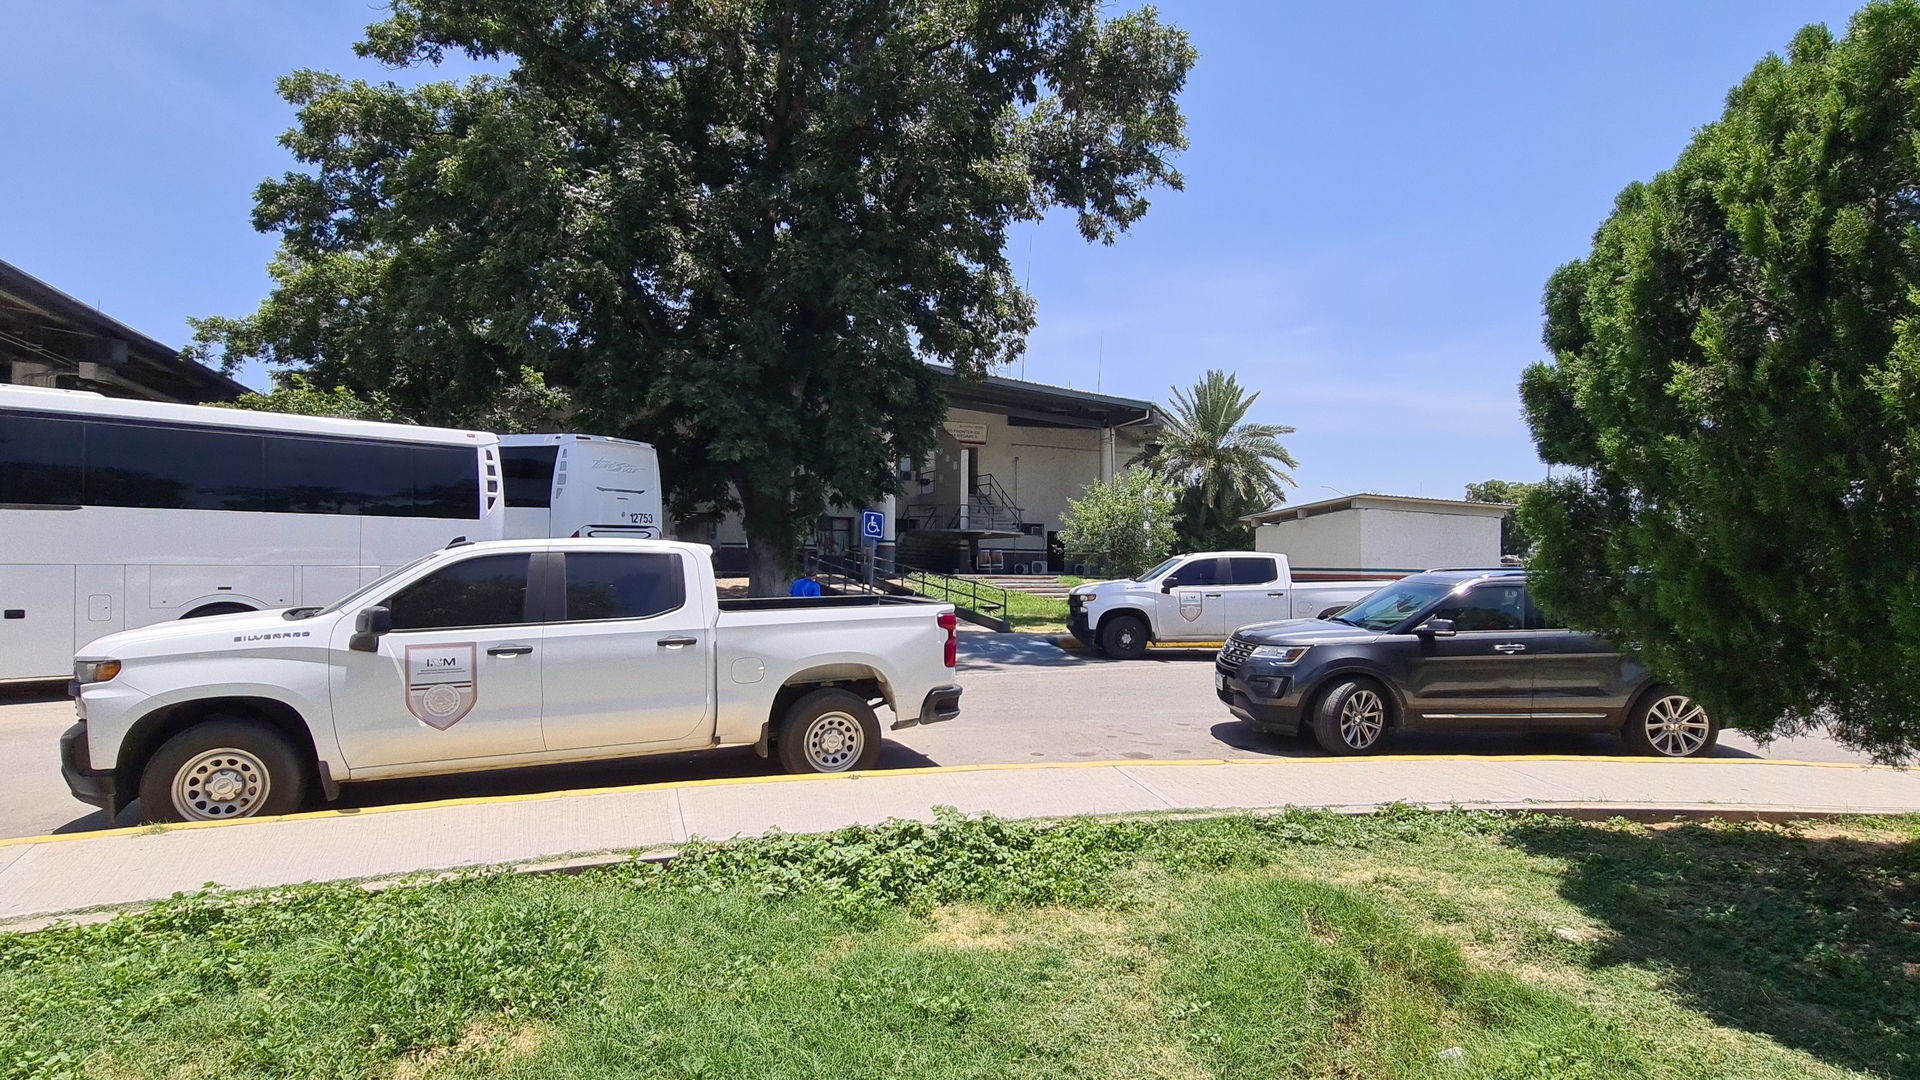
<point x="1375" y="195"/>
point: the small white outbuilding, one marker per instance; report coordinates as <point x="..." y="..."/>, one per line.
<point x="1382" y="533"/>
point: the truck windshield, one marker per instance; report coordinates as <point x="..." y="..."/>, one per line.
<point x="1390" y="607"/>
<point x="1161" y="569"/>
<point x="365" y="590"/>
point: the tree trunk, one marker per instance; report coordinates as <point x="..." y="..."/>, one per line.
<point x="770" y="543"/>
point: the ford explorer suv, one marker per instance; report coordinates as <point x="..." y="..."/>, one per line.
<point x="493" y="655"/>
<point x="1199" y="598"/>
<point x="1457" y="650"/>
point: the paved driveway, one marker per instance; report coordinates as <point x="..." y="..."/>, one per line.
<point x="1026" y="701"/>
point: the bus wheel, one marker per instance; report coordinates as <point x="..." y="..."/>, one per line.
<point x="224" y="607"/>
<point x="222" y="769"/>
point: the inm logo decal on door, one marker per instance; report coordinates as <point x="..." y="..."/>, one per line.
<point x="440" y="683"/>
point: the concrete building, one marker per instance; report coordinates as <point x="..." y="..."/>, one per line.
<point x="1382" y="533"/>
<point x="992" y="494"/>
<point x="48" y="338"/>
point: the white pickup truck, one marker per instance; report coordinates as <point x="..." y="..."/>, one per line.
<point x="489" y="655"/>
<point x="1200" y="598"/>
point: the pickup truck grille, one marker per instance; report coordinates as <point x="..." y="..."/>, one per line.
<point x="1235" y="652"/>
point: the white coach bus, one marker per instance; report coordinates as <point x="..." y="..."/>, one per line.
<point x="580" y="485"/>
<point x="115" y="514"/>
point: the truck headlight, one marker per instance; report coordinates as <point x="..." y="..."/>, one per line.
<point x="93" y="671"/>
<point x="1280" y="654"/>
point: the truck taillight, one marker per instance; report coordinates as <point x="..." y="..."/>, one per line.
<point x="951" y="624"/>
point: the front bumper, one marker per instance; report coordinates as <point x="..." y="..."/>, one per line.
<point x="1262" y="700"/>
<point x="93" y="787"/>
<point x="1077" y="626"/>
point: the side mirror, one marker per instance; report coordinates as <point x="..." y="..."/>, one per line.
<point x="367" y="628"/>
<point x="1169" y="583"/>
<point x="1435" y="628"/>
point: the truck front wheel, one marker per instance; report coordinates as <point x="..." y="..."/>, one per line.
<point x="829" y="731"/>
<point x="1124" y="637"/>
<point x="222" y="769"/>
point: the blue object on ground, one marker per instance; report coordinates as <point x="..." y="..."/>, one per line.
<point x="806" y="586"/>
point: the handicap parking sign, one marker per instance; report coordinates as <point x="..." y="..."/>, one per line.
<point x="873" y="526"/>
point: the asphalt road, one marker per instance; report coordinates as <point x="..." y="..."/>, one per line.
<point x="1025" y="701"/>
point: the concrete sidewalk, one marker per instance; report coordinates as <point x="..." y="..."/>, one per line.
<point x="41" y="875"/>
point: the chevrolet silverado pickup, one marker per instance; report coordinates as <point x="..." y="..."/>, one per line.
<point x="492" y="655"/>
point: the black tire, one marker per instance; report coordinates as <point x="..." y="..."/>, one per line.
<point x="1667" y="723"/>
<point x="829" y="731"/>
<point x="1124" y="637"/>
<point x="1352" y="717"/>
<point x="224" y="607"/>
<point x="238" y="769"/>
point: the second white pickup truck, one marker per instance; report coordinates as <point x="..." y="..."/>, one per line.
<point x="1200" y="598"/>
<point x="491" y="655"/>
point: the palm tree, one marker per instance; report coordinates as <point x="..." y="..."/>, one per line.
<point x="1227" y="468"/>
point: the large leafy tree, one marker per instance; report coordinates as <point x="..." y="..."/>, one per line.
<point x="1223" y="467"/>
<point x="1126" y="524"/>
<point x="1736" y="383"/>
<point x="734" y="228"/>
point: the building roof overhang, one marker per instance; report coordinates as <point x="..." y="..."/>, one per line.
<point x="1407" y="503"/>
<point x="84" y="349"/>
<point x="1037" y="403"/>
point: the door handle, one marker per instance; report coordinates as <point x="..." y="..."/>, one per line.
<point x="677" y="642"/>
<point x="1509" y="649"/>
<point x="1278" y="594"/>
<point x="510" y="650"/>
<point x="1213" y="596"/>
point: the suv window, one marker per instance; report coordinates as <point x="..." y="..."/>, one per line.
<point x="488" y="591"/>
<point x="1487" y="607"/>
<point x="1249" y="570"/>
<point x="614" y="585"/>
<point x="1540" y="620"/>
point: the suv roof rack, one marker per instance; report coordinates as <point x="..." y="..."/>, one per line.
<point x="1477" y="570"/>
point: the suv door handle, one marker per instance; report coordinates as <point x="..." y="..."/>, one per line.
<point x="677" y="642"/>
<point x="510" y="650"/>
<point x="1509" y="649"/>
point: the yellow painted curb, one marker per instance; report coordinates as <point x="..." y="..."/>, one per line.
<point x="741" y="781"/>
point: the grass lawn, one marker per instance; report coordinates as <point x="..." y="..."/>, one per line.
<point x="1406" y="944"/>
<point x="1030" y="614"/>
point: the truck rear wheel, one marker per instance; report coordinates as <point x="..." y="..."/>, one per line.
<point x="829" y="731"/>
<point x="220" y="770"/>
<point x="1124" y="637"/>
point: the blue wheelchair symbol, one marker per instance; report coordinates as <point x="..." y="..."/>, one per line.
<point x="873" y="525"/>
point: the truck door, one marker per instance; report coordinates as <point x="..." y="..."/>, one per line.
<point x="629" y="657"/>
<point x="1194" y="609"/>
<point x="1257" y="593"/>
<point x="457" y="678"/>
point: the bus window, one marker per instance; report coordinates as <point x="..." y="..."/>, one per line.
<point x="529" y="472"/>
<point x="40" y="460"/>
<point x="171" y="468"/>
<point x="445" y="482"/>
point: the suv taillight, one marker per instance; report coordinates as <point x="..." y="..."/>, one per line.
<point x="951" y="624"/>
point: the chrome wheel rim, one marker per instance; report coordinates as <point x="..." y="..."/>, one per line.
<point x="1362" y="719"/>
<point x="1676" y="726"/>
<point x="833" y="742"/>
<point x="219" y="784"/>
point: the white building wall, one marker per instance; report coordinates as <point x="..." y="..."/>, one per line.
<point x="1413" y="540"/>
<point x="1321" y="541"/>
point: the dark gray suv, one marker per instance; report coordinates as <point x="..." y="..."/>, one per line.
<point x="1449" y="650"/>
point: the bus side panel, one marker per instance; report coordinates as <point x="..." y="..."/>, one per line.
<point x="99" y="602"/>
<point x="36" y="621"/>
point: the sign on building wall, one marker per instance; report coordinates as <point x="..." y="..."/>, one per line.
<point x="967" y="434"/>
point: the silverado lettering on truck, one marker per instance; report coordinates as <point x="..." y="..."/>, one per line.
<point x="496" y="655"/>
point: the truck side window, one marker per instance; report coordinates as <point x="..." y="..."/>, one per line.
<point x="487" y="591"/>
<point x="623" y="585"/>
<point x="1248" y="570"/>
<point x="1197" y="573"/>
<point x="1487" y="607"/>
